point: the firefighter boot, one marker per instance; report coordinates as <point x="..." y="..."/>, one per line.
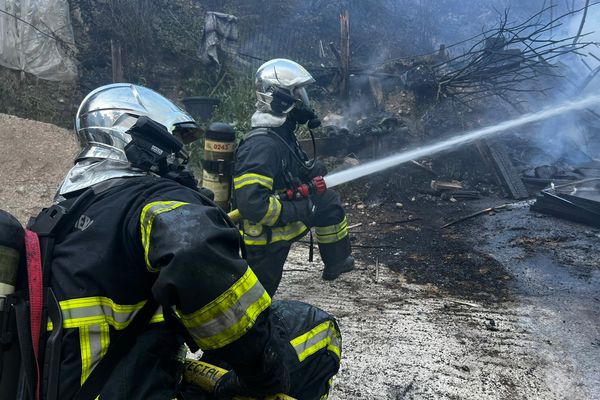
<point x="336" y="257"/>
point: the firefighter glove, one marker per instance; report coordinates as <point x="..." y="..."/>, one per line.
<point x="206" y="192"/>
<point x="229" y="385"/>
<point x="257" y="381"/>
<point x="318" y="169"/>
<point x="303" y="210"/>
<point x="302" y="114"/>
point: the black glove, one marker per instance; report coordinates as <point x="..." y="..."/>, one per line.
<point x="229" y="385"/>
<point x="298" y="210"/>
<point x="206" y="192"/>
<point x="318" y="169"/>
<point x="271" y="377"/>
<point x="302" y="114"/>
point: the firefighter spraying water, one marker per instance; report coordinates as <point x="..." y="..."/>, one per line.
<point x="271" y="168"/>
<point x="319" y="184"/>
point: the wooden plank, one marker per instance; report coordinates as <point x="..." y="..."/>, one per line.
<point x="117" y="62"/>
<point x="344" y="53"/>
<point x="508" y="178"/>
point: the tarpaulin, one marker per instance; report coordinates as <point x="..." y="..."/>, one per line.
<point x="36" y="36"/>
<point x="220" y="31"/>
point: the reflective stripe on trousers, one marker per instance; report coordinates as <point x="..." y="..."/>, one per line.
<point x="324" y="335"/>
<point x="288" y="232"/>
<point x="332" y="233"/>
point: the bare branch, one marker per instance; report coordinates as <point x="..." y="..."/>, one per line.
<point x="587" y="4"/>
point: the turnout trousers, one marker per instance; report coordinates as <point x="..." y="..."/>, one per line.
<point x="330" y="227"/>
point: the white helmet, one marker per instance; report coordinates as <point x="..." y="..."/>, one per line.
<point x="107" y="113"/>
<point x="280" y="84"/>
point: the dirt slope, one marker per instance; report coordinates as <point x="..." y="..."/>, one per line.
<point x="34" y="157"/>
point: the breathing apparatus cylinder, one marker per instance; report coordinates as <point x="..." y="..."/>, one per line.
<point x="12" y="239"/>
<point x="219" y="148"/>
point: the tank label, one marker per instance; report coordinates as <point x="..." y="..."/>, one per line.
<point x="219" y="185"/>
<point x="222" y="147"/>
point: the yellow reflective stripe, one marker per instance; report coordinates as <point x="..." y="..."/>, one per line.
<point x="100" y="301"/>
<point x="335" y="237"/>
<point x="158" y="317"/>
<point x="86" y="352"/>
<point x="150" y="211"/>
<point x="104" y="339"/>
<point x="324" y="335"/>
<point x="93" y="343"/>
<point x="229" y="316"/>
<point x="327" y="230"/>
<point x="332" y="233"/>
<point x="287" y="232"/>
<point x="251" y="179"/>
<point x="99" y="310"/>
<point x="272" y="214"/>
<point x="94" y="316"/>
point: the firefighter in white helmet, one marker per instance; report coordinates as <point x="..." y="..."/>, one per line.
<point x="142" y="262"/>
<point x="270" y="160"/>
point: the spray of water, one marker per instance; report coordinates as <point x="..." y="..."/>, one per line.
<point x="455" y="141"/>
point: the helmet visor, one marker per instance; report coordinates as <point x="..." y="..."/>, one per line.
<point x="187" y="132"/>
<point x="301" y="94"/>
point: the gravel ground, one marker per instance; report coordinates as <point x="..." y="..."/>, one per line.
<point x="34" y="158"/>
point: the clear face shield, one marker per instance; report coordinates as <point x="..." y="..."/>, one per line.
<point x="187" y="132"/>
<point x="300" y="93"/>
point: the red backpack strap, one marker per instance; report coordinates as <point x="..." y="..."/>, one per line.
<point x="36" y="296"/>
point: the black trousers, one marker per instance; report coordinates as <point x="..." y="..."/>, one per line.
<point x="267" y="261"/>
<point x="293" y="322"/>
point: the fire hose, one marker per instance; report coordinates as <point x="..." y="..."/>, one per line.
<point x="206" y="376"/>
<point x="317" y="185"/>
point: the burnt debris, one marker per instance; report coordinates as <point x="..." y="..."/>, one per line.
<point x="578" y="202"/>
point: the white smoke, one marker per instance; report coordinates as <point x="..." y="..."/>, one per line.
<point x="572" y="138"/>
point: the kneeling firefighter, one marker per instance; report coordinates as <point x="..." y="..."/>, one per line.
<point x="269" y="160"/>
<point x="132" y="262"/>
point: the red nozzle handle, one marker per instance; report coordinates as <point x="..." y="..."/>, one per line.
<point x="318" y="185"/>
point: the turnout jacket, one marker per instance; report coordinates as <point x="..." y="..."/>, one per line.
<point x="268" y="161"/>
<point x="149" y="236"/>
<point x="266" y="164"/>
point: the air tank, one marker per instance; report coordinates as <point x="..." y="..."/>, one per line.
<point x="219" y="148"/>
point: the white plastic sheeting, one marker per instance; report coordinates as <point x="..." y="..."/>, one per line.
<point x="37" y="38"/>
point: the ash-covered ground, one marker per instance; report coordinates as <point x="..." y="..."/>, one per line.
<point x="503" y="306"/>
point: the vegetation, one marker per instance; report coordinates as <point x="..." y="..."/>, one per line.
<point x="236" y="108"/>
<point x="26" y="96"/>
